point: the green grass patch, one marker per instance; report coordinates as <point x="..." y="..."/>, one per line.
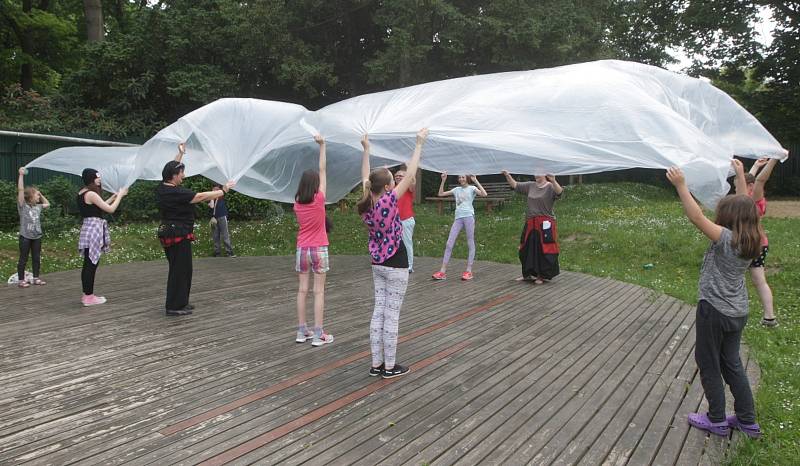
<point x="610" y="230"/>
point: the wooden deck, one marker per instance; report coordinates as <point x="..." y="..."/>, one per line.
<point x="582" y="370"/>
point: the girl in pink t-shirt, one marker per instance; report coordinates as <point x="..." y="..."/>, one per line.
<point x="755" y="183"/>
<point x="312" y="248"/>
<point x="379" y="211"/>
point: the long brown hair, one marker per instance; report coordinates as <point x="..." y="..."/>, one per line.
<point x="308" y="187"/>
<point x="738" y="213"/>
<point x="378" y="178"/>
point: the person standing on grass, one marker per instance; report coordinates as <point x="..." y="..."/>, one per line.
<point x="538" y="244"/>
<point x="722" y="309"/>
<point x="464" y="194"/>
<point x="30" y="203"/>
<point x="755" y="189"/>
<point x="312" y="248"/>
<point x="406" y="207"/>
<point x="219" y="223"/>
<point x="94" y="238"/>
<point x="379" y="211"/>
<point x="176" y="231"/>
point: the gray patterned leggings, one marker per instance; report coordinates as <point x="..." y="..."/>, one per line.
<point x="390" y="288"/>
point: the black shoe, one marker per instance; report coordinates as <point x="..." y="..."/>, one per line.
<point x="181" y="312"/>
<point x="396" y="371"/>
<point x="376" y="371"/>
<point x="216" y="254"/>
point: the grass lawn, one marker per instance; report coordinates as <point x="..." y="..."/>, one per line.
<point x="609" y="230"/>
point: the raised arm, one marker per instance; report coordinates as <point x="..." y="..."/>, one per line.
<point x="690" y="207"/>
<point x="181" y="151"/>
<point x="45" y="202"/>
<point x="95" y="199"/>
<point x="364" y="163"/>
<point x="556" y="187"/>
<point x="212" y="195"/>
<point x="511" y="181"/>
<point x="481" y="191"/>
<point x="738" y="181"/>
<point x="21" y="186"/>
<point x="413" y="164"/>
<point x="323" y="176"/>
<point x="758" y="165"/>
<point x="442" y="192"/>
<point x="761" y="179"/>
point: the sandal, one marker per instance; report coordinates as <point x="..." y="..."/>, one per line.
<point x="23" y="284"/>
<point x="538" y="281"/>
<point x="702" y="422"/>
<point x="39" y="281"/>
<point x="751" y="430"/>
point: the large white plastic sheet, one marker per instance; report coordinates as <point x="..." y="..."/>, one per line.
<point x="585" y="118"/>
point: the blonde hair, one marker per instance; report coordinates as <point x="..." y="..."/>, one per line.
<point x="378" y="178"/>
<point x="30" y="195"/>
<point x="739" y="214"/>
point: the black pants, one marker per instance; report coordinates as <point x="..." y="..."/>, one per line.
<point x="87" y="273"/>
<point x="26" y="246"/>
<point x="717" y="355"/>
<point x="179" y="281"/>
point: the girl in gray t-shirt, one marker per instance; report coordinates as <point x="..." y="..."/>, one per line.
<point x="30" y="203"/>
<point x="721" y="315"/>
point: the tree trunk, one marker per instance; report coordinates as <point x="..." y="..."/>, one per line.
<point x="93" y="9"/>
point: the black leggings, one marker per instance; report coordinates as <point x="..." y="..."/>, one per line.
<point x="87" y="273"/>
<point x="34" y="247"/>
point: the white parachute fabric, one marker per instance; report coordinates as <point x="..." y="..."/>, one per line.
<point x="115" y="165"/>
<point x="585" y="118"/>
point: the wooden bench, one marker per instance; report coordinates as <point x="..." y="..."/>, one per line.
<point x="497" y="194"/>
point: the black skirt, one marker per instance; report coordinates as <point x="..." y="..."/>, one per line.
<point x="534" y="262"/>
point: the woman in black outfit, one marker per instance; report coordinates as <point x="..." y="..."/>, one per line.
<point x="176" y="231"/>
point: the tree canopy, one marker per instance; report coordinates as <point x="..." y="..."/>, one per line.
<point x="124" y="68"/>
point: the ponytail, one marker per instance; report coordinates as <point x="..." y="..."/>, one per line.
<point x="378" y="178"/>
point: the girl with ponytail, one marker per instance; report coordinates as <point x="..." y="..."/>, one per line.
<point x="379" y="210"/>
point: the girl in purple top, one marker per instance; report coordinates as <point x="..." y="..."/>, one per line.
<point x="378" y="208"/>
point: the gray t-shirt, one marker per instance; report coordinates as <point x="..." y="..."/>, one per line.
<point x="722" y="277"/>
<point x="30" y="225"/>
<point x="540" y="200"/>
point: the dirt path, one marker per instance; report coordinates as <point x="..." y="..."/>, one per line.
<point x="784" y="209"/>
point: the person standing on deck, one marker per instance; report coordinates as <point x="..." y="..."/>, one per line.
<point x="176" y="231"/>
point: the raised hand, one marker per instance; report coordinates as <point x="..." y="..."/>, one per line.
<point x="365" y="141"/>
<point x="675" y="176"/>
<point x="444" y="175"/>
<point x="422" y="135"/>
<point x="319" y="139"/>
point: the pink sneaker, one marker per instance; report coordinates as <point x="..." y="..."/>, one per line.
<point x="91" y="300"/>
<point x="466" y="276"/>
<point x="439" y="276"/>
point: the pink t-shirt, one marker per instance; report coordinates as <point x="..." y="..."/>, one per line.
<point x="385" y="229"/>
<point x="311" y="218"/>
<point x="761" y="205"/>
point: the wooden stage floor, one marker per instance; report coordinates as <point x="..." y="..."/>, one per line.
<point x="582" y="370"/>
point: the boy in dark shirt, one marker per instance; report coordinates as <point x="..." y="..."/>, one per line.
<point x="219" y="223"/>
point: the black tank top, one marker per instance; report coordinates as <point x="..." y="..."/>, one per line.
<point x="87" y="210"/>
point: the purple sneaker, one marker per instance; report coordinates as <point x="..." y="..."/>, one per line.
<point x="751" y="430"/>
<point x="701" y="421"/>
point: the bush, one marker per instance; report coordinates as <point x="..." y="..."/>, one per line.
<point x="61" y="192"/>
<point x="9" y="217"/>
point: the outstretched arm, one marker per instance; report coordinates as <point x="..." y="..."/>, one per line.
<point x="21" y="186"/>
<point x="181" y="151"/>
<point x="761" y="179"/>
<point x="365" y="163"/>
<point x="413" y="164"/>
<point x="511" y="181"/>
<point x="739" y="182"/>
<point x="690" y="207"/>
<point x="212" y="195"/>
<point x="481" y="191"/>
<point x="758" y="165"/>
<point x="106" y="207"/>
<point x="323" y="175"/>
<point x="442" y="192"/>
